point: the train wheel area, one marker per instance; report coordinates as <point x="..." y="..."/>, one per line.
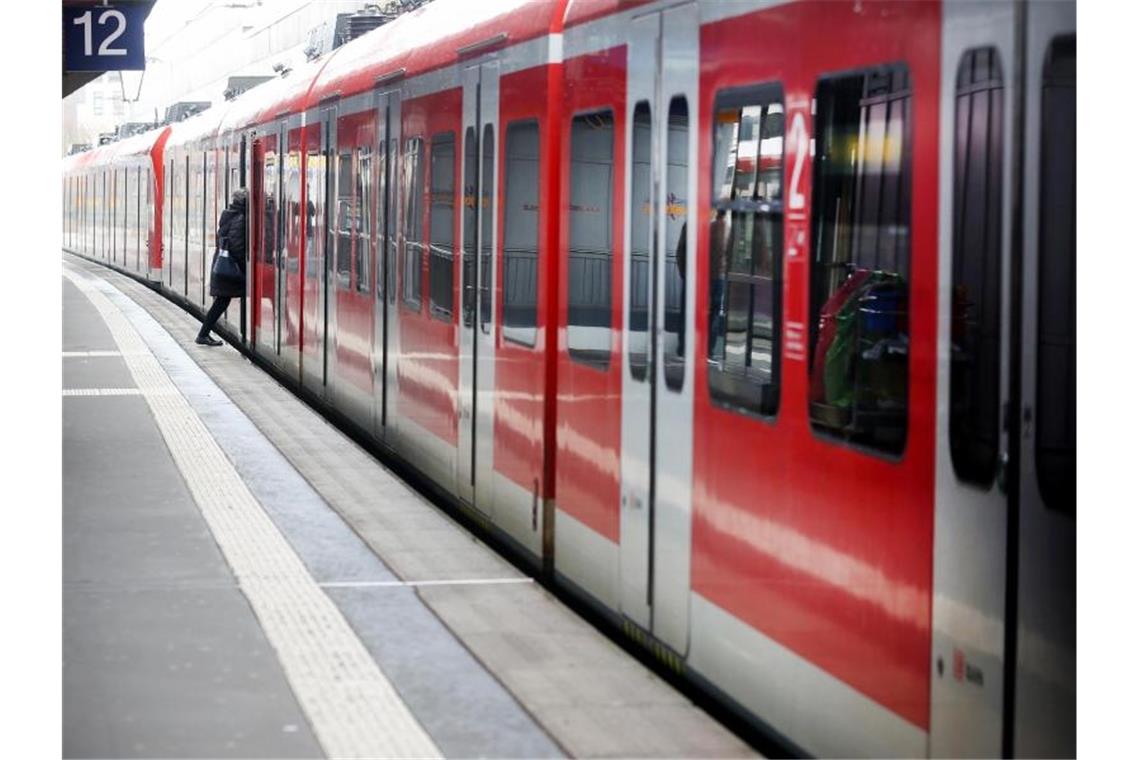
<point x="242" y="579"/>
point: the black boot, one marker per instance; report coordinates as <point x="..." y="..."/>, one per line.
<point x="206" y="340"/>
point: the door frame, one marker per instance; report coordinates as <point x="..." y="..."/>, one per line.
<point x="656" y="520"/>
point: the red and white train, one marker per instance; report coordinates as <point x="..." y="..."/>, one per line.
<point x="752" y="322"/>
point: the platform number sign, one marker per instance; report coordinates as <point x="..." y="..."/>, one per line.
<point x="104" y="37"/>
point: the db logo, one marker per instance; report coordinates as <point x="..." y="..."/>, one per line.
<point x="964" y="671"/>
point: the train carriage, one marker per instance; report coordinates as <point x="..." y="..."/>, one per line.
<point x="750" y="323"/>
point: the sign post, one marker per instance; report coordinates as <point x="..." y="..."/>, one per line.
<point x="104" y="37"/>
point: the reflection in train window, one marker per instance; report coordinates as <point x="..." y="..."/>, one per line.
<point x="362" y="224"/>
<point x="588" y="317"/>
<point x="975" y="302"/>
<point x="470" y="223"/>
<point x="486" y="227"/>
<point x="520" y="232"/>
<point x="413" y="234"/>
<point x="316" y="164"/>
<point x="860" y="271"/>
<point x="390" y="207"/>
<point x="640" y="224"/>
<point x="343" y="221"/>
<point x="746" y="249"/>
<point x="676" y="242"/>
<point x="1056" y="445"/>
<point x="271" y="215"/>
<point x="441" y="225"/>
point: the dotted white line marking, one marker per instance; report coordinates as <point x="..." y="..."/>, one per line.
<point x="352" y="707"/>
<point x="84" y="354"/>
<point x="102" y="392"/>
<point x="456" y="582"/>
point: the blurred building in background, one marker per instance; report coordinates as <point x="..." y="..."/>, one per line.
<point x="201" y="52"/>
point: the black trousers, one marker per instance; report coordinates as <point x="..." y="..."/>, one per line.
<point x="212" y="316"/>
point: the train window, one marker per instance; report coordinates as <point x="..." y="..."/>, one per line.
<point x="470" y="230"/>
<point x="520" y="232"/>
<point x="860" y="270"/>
<point x="975" y="302"/>
<point x="344" y="220"/>
<point x="486" y="225"/>
<point x="588" y="317"/>
<point x="640" y="225"/>
<point x="676" y="242"/>
<point x="413" y="233"/>
<point x="316" y="167"/>
<point x="746" y="249"/>
<point x="362" y="242"/>
<point x="441" y="223"/>
<point x="1056" y="443"/>
<point x="390" y="173"/>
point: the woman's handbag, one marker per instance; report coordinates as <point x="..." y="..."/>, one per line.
<point x="226" y="271"/>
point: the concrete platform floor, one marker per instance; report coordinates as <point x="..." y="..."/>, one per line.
<point x="178" y="643"/>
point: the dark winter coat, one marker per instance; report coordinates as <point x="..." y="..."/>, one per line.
<point x="231" y="237"/>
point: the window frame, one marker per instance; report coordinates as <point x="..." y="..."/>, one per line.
<point x="906" y="170"/>
<point x="436" y="310"/>
<point x="968" y="472"/>
<point x="578" y="355"/>
<point x="1047" y="136"/>
<point x="412" y="220"/>
<point x="763" y="93"/>
<point x="507" y="330"/>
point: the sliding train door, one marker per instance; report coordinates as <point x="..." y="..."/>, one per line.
<point x="972" y="500"/>
<point x="1003" y="660"/>
<point x="658" y="272"/>
<point x="385" y="214"/>
<point x="479" y="233"/>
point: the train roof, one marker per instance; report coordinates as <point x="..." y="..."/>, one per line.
<point x="434" y="36"/>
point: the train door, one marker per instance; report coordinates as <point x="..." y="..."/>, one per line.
<point x="1045" y="524"/>
<point x="977" y="138"/>
<point x="315" y="269"/>
<point x="1003" y="650"/>
<point x="266" y="257"/>
<point x="385" y="213"/>
<point x="657" y="376"/>
<point x="478" y="230"/>
<point x="333" y="296"/>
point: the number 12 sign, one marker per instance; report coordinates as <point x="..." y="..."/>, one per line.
<point x="104" y="37"/>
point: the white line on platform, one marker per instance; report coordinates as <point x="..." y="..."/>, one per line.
<point x="353" y="708"/>
<point x="454" y="582"/>
<point x="102" y="391"/>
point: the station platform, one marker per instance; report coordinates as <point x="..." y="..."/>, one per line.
<point x="242" y="580"/>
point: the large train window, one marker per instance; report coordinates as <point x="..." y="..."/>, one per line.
<point x="860" y="270"/>
<point x="640" y="225"/>
<point x="975" y="302"/>
<point x="520" y="232"/>
<point x="746" y="248"/>
<point x="413" y="234"/>
<point x="588" y="318"/>
<point x="343" y="220"/>
<point x="441" y="223"/>
<point x="1056" y="444"/>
